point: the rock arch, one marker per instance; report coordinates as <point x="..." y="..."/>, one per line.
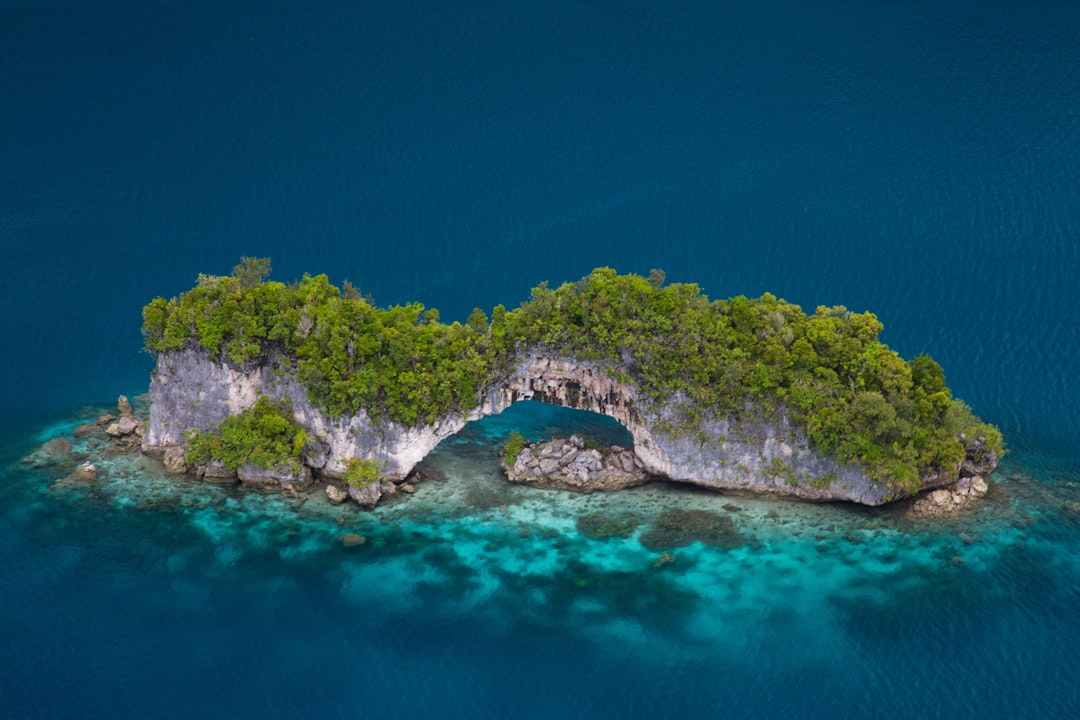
<point x="190" y="390"/>
<point x="582" y="385"/>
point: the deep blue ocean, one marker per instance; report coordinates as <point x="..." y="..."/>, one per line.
<point x="917" y="159"/>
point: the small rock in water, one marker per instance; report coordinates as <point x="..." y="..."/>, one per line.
<point x="665" y="559"/>
<point x="127" y="425"/>
<point x="85" y="473"/>
<point x="336" y="495"/>
<point x="353" y="540"/>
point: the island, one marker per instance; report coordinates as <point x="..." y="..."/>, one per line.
<point x="277" y="386"/>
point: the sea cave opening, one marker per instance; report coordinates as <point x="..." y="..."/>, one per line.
<point x="473" y="452"/>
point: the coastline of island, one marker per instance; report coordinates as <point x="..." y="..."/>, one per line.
<point x="275" y="385"/>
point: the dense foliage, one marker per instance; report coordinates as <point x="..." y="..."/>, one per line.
<point x="264" y="435"/>
<point x="515" y="443"/>
<point x="857" y="399"/>
<point x="400" y="362"/>
<point x="362" y="472"/>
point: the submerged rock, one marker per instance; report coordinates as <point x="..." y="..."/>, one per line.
<point x="677" y="528"/>
<point x="599" y="526"/>
<point x="86" y="429"/>
<point x="56" y="450"/>
<point x="353" y="540"/>
<point x="86" y="472"/>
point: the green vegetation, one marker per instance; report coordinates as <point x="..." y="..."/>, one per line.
<point x="264" y="435"/>
<point x="856" y="398"/>
<point x="400" y="363"/>
<point x="515" y="443"/>
<point x="362" y="472"/>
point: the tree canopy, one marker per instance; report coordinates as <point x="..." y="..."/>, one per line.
<point x="856" y="398"/>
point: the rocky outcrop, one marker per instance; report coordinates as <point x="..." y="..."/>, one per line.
<point x="760" y="452"/>
<point x="948" y="500"/>
<point x="253" y="476"/>
<point x="127" y="431"/>
<point x="754" y="453"/>
<point x="189" y="390"/>
<point x="215" y="472"/>
<point x="368" y="496"/>
<point x="336" y="495"/>
<point x="174" y="461"/>
<point x="567" y="464"/>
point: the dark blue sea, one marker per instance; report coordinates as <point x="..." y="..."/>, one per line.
<point x="917" y="159"/>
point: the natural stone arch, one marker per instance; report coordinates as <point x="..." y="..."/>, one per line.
<point x="766" y="454"/>
<point x="582" y="385"/>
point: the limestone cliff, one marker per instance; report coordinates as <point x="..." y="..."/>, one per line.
<point x="757" y="452"/>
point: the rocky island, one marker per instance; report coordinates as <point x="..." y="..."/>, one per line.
<point x="279" y="386"/>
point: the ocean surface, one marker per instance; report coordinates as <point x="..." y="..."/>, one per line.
<point x="917" y="159"/>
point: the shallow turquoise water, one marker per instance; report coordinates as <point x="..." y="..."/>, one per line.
<point x="920" y="160"/>
<point x="475" y="596"/>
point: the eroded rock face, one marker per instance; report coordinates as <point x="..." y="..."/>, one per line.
<point x="252" y="476"/>
<point x="189" y="391"/>
<point x="566" y="464"/>
<point x="755" y="452"/>
<point x="174" y="461"/>
<point x="215" y="472"/>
